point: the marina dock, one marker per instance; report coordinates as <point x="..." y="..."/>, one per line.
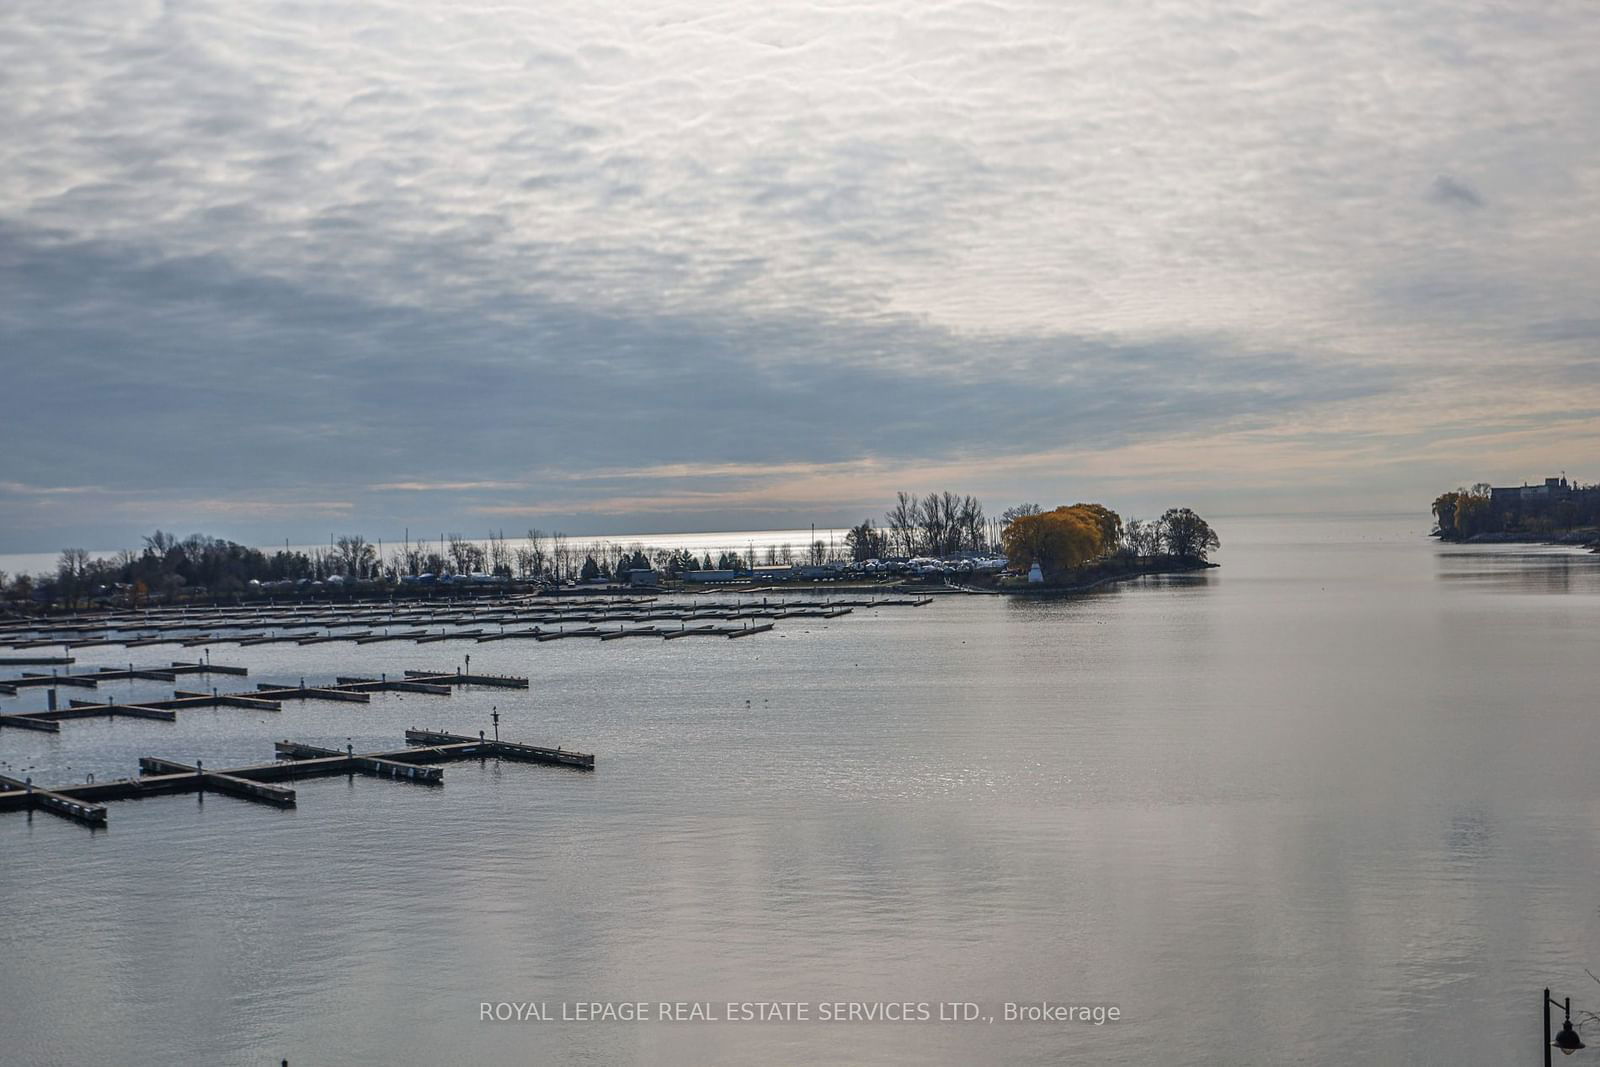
<point x="265" y="697"/>
<point x="537" y="620"/>
<point x="85" y="802"/>
<point x="540" y="618"/>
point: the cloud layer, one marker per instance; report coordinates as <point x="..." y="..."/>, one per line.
<point x="656" y="266"/>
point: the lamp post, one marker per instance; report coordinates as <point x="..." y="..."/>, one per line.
<point x="1567" y="1040"/>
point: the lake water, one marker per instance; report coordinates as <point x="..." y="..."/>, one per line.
<point x="1334" y="802"/>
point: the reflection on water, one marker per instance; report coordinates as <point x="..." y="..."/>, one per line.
<point x="1520" y="569"/>
<point x="1332" y="802"/>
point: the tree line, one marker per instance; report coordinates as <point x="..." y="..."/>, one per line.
<point x="166" y="567"/>
<point x="1468" y="511"/>
<point x="936" y="524"/>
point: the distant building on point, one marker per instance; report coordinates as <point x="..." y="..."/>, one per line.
<point x="1518" y="497"/>
<point x="1556" y="500"/>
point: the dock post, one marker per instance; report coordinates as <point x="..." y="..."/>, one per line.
<point x="51" y="698"/>
<point x="200" y="780"/>
<point x="494" y="713"/>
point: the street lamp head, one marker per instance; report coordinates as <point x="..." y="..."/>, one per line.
<point x="1567" y="1040"/>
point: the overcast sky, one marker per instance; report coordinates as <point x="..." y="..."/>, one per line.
<point x="278" y="269"/>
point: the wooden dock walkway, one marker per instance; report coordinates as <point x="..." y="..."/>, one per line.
<point x="425" y="623"/>
<point x="90" y="679"/>
<point x="441" y="745"/>
<point x="267" y="696"/>
<point x="84" y="802"/>
<point x="21" y="793"/>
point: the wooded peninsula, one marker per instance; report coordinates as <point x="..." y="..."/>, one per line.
<point x="1556" y="510"/>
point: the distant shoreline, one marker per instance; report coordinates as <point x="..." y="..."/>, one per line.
<point x="1586" y="538"/>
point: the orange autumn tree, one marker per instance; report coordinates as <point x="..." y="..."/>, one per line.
<point x="1110" y="524"/>
<point x="1061" y="539"/>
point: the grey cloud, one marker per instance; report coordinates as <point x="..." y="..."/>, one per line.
<point x="1447" y="190"/>
<point x="188" y="375"/>
<point x="344" y="244"/>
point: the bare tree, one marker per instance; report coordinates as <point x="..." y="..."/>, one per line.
<point x="1018" y="511"/>
<point x="499" y="555"/>
<point x="1142" y="536"/>
<point x="71" y="573"/>
<point x="160" y="543"/>
<point x="538" y="559"/>
<point x="902" y="520"/>
<point x="561" y="554"/>
<point x="865" y="542"/>
<point x="355" y="555"/>
<point x="930" y="524"/>
<point x="466" y="556"/>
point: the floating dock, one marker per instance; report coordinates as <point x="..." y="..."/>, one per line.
<point x="265" y="697"/>
<point x="90" y="679"/>
<point x="532" y="617"/>
<point x="85" y="802"/>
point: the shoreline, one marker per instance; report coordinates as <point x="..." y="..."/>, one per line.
<point x="1589" y="539"/>
<point x="1048" y="591"/>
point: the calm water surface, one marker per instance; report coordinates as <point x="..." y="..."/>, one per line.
<point x="1335" y="802"/>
